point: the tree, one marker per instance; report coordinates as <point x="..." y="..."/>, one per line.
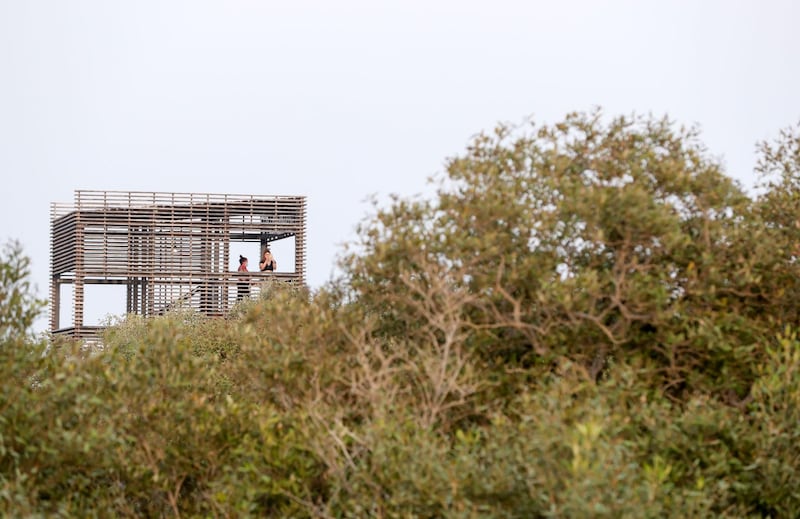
<point x="18" y="305"/>
<point x="585" y="238"/>
<point x="779" y="207"/>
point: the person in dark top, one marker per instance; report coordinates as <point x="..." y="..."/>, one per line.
<point x="243" y="289"/>
<point x="268" y="262"/>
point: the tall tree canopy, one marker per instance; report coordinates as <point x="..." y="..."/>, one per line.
<point x="593" y="239"/>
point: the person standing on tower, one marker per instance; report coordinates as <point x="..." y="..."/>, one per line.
<point x="268" y="262"/>
<point x="243" y="288"/>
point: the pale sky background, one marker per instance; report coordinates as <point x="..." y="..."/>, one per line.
<point x="339" y="100"/>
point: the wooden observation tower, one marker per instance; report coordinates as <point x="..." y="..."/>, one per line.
<point x="168" y="249"/>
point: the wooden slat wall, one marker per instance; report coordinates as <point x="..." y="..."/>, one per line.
<point x="170" y="249"/>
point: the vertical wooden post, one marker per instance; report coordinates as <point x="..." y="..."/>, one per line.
<point x="55" y="290"/>
<point x="80" y="252"/>
<point x="300" y="243"/>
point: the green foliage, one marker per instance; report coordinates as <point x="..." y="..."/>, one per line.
<point x="775" y="414"/>
<point x="779" y="207"/>
<point x="590" y="320"/>
<point x="18" y="306"/>
<point x="147" y="431"/>
<point x="586" y="239"/>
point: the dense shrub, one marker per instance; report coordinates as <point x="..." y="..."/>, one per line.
<point x="590" y="320"/>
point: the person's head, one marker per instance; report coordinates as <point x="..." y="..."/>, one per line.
<point x="242" y="260"/>
<point x="267" y="253"/>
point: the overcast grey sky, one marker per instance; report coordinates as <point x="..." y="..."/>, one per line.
<point x="340" y="100"/>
